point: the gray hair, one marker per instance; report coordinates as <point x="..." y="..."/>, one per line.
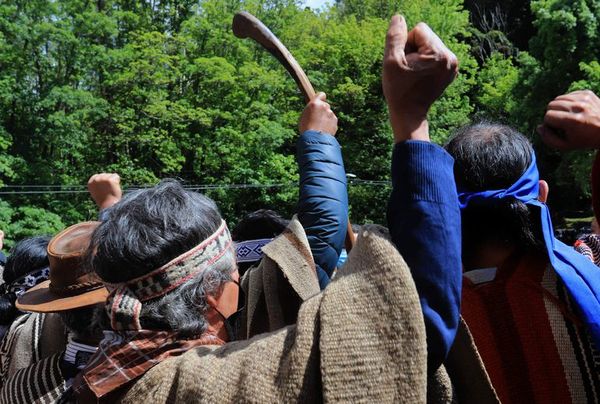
<point x="147" y="229"/>
<point x="183" y="309"/>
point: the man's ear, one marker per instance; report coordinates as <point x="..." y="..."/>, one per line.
<point x="544" y="189"/>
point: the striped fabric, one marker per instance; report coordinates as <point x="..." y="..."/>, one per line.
<point x="589" y="245"/>
<point x="31" y="337"/>
<point x="534" y="346"/>
<point x="42" y="382"/>
<point x="7" y="347"/>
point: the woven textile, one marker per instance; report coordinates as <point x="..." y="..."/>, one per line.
<point x="589" y="245"/>
<point x="31" y="337"/>
<point x="284" y="279"/>
<point x="250" y="250"/>
<point x="344" y="347"/>
<point x="124" y="304"/>
<point x="42" y="382"/>
<point x="25" y="282"/>
<point x="534" y="345"/>
<point x="123" y="357"/>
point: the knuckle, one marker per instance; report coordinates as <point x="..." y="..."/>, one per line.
<point x="421" y="27"/>
<point x="390" y="37"/>
<point x="453" y="60"/>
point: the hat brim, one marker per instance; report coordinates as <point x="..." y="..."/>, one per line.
<point x="40" y="299"/>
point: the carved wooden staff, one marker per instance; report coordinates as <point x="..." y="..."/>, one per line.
<point x="245" y="25"/>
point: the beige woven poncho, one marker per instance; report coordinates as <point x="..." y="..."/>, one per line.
<point x="362" y="339"/>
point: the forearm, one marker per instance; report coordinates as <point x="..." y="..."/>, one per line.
<point x="424" y="222"/>
<point x="323" y="200"/>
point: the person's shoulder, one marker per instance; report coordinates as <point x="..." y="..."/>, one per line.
<point x="41" y="378"/>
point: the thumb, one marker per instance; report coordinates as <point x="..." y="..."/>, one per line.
<point x="320" y="96"/>
<point x="396" y="37"/>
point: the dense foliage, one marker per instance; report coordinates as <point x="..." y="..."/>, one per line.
<point x="152" y="89"/>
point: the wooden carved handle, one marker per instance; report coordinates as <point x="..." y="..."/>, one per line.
<point x="245" y="25"/>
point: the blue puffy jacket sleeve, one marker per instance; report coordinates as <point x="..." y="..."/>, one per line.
<point x="323" y="201"/>
<point x="424" y="221"/>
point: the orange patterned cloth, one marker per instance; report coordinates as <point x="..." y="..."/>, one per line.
<point x="125" y="356"/>
<point x="533" y="345"/>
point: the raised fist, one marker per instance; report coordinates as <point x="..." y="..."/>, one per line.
<point x="417" y="68"/>
<point x="318" y="116"/>
<point x="572" y="121"/>
<point x="105" y="189"/>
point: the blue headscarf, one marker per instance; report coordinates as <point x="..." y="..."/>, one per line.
<point x="580" y="276"/>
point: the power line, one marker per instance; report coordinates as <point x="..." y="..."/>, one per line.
<point x="37" y="189"/>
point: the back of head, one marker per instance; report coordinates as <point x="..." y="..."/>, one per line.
<point x="150" y="227"/>
<point x="82" y="324"/>
<point x="489" y="156"/>
<point x="146" y="230"/>
<point x="25" y="257"/>
<point x="263" y="223"/>
<point x="260" y="224"/>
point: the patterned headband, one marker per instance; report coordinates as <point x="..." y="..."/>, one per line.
<point x="251" y="250"/>
<point x="124" y="303"/>
<point x="25" y="282"/>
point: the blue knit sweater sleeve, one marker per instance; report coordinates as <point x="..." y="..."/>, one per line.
<point x="323" y="201"/>
<point x="424" y="221"/>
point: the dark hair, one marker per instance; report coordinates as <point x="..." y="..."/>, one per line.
<point x="80" y="322"/>
<point x="263" y="223"/>
<point x="147" y="229"/>
<point x="490" y="156"/>
<point x="150" y="227"/>
<point x="26" y="256"/>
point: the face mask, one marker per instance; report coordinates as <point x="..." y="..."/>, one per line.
<point x="232" y="323"/>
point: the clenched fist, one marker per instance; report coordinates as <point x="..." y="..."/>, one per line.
<point x="318" y="116"/>
<point x="417" y="68"/>
<point x="572" y="121"/>
<point x="105" y="189"/>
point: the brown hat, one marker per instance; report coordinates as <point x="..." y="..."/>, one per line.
<point x="66" y="289"/>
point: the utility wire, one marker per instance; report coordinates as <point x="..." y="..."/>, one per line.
<point x="79" y="189"/>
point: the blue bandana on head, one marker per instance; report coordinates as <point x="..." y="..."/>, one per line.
<point x="580" y="276"/>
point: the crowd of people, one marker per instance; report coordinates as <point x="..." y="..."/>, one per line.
<point x="466" y="296"/>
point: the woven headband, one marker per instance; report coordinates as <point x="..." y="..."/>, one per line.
<point x="25" y="282"/>
<point x="250" y="250"/>
<point x="124" y="303"/>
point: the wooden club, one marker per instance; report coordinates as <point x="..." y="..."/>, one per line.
<point x="245" y="25"/>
